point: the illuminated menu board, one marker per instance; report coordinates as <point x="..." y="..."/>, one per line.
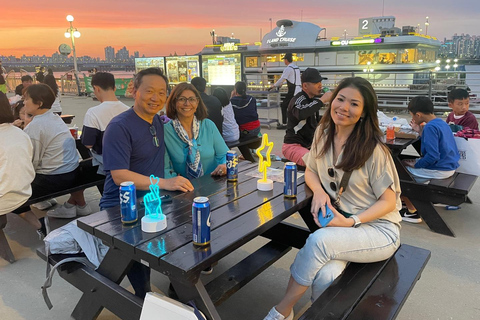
<point x="222" y="69"/>
<point x="182" y="69"/>
<point x="152" y="62"/>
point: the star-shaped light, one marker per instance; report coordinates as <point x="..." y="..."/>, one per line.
<point x="263" y="164"/>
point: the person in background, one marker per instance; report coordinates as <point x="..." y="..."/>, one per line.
<point x="459" y="102"/>
<point x="3" y="84"/>
<point x="231" y="131"/>
<point x="245" y="110"/>
<point x="55" y="157"/>
<point x="19" y="115"/>
<point x="26" y="82"/>
<point x="49" y="80"/>
<point x="214" y="107"/>
<point x="97" y="118"/>
<point x="133" y="149"/>
<point x="438" y="149"/>
<point x="291" y="74"/>
<point x="40" y="76"/>
<point x="16" y="168"/>
<point x="366" y="224"/>
<point x="303" y="116"/>
<point x="193" y="142"/>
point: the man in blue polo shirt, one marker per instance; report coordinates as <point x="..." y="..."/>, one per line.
<point x="133" y="149"/>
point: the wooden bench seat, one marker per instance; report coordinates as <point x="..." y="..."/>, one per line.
<point x="451" y="191"/>
<point x="371" y="290"/>
<point x="245" y="146"/>
<point x="90" y="282"/>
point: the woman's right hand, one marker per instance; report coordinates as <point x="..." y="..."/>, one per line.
<point x="320" y="199"/>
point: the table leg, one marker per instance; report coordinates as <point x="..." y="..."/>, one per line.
<point x="114" y="266"/>
<point x="198" y="293"/>
<point x="431" y="217"/>
<point x="308" y="218"/>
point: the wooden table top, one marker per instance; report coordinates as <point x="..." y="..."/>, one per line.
<point x="239" y="213"/>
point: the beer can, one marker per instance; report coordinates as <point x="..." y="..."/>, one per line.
<point x="128" y="202"/>
<point x="232" y="166"/>
<point x="201" y="221"/>
<point x="290" y="179"/>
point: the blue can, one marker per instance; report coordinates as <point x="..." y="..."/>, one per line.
<point x="201" y="221"/>
<point x="128" y="202"/>
<point x="290" y="179"/>
<point x="232" y="166"/>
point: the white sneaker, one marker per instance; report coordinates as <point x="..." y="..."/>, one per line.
<point x="44" y="205"/>
<point x="84" y="211"/>
<point x="275" y="315"/>
<point x="64" y="211"/>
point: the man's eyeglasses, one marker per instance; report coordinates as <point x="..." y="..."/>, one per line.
<point x="153" y="132"/>
<point x="331" y="173"/>
<point x="190" y="100"/>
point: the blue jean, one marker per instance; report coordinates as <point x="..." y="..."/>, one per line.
<point x="328" y="251"/>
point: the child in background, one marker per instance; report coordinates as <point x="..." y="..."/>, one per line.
<point x="439" y="151"/>
<point x="459" y="102"/>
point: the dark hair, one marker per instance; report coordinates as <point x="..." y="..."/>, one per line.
<point x="365" y="135"/>
<point x="201" y="112"/>
<point x="50" y="81"/>
<point x="420" y="104"/>
<point x="288" y="56"/>
<point x="16" y="110"/>
<point x="241" y="88"/>
<point x="457" y="94"/>
<point x="221" y="94"/>
<point x="2" y="79"/>
<point x="41" y="94"/>
<point x="6" y="115"/>
<point x="199" y="83"/>
<point x="50" y="71"/>
<point x="104" y="80"/>
<point x="26" y="78"/>
<point x="146" y="72"/>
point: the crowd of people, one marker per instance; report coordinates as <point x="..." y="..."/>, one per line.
<point x="347" y="166"/>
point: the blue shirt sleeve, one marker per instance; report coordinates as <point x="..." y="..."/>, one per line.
<point x="430" y="147"/>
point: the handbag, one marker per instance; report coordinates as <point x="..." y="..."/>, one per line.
<point x="342" y="188"/>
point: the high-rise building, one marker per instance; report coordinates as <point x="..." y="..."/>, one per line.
<point x="109" y="53"/>
<point x="122" y="55"/>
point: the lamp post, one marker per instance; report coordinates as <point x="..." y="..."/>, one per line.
<point x="212" y="33"/>
<point x="368" y="70"/>
<point x="426" y="26"/>
<point x="73" y="33"/>
<point x="270" y="23"/>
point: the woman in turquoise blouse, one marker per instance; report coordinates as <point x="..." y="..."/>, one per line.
<point x="193" y="142"/>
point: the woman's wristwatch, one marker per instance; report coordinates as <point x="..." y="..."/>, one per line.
<point x="357" y="221"/>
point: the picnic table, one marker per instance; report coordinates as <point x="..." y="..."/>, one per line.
<point x="451" y="191"/>
<point x="239" y="214"/>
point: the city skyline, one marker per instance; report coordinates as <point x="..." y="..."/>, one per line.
<point x="163" y="28"/>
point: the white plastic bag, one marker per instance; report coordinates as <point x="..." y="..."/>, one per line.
<point x="469" y="151"/>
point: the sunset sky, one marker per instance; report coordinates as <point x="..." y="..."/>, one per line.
<point x="163" y="27"/>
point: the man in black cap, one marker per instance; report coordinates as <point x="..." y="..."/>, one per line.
<point x="303" y="116"/>
<point x="292" y="75"/>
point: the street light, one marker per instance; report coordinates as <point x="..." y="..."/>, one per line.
<point x="426" y="25"/>
<point x="212" y="33"/>
<point x="73" y="33"/>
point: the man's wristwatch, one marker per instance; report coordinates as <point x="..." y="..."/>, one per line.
<point x="357" y="221"/>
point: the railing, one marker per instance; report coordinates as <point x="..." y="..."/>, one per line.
<point x="396" y="89"/>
